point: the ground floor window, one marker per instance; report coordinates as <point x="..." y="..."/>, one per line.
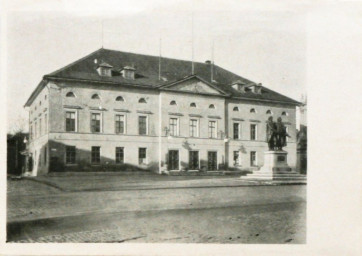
<point x="173" y="160"/>
<point x="96" y="155"/>
<point x="193" y="160"/>
<point x="119" y="155"/>
<point x="142" y="155"/>
<point x="237" y="158"/>
<point x="212" y="160"/>
<point x="70" y="154"/>
<point x="253" y="158"/>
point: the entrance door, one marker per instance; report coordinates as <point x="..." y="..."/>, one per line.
<point x="212" y="160"/>
<point x="193" y="160"/>
<point x="173" y="160"/>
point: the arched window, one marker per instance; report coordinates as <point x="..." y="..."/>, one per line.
<point x="119" y="98"/>
<point x="70" y="94"/>
<point x="193" y="105"/>
<point x="95" y="97"/>
<point x="212" y="106"/>
<point x="235" y="109"/>
<point x="173" y="102"/>
<point x="284" y="113"/>
<point x="268" y="112"/>
<point x="252" y="110"/>
<point x="142" y="100"/>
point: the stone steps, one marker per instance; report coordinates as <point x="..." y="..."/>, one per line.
<point x="275" y="176"/>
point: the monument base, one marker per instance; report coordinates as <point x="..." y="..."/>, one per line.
<point x="275" y="168"/>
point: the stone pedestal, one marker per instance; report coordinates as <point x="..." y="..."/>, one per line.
<point x="275" y="168"/>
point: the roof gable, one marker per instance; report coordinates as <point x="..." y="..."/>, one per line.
<point x="193" y="84"/>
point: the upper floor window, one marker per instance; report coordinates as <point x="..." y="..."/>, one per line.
<point x="45" y="97"/>
<point x="142" y="100"/>
<point x="236" y="131"/>
<point x="253" y="132"/>
<point x="96" y="122"/>
<point x="193" y="105"/>
<point x="252" y="110"/>
<point x="142" y="125"/>
<point x="212" y="129"/>
<point x="70" y="121"/>
<point x="174" y="126"/>
<point x="235" y="109"/>
<point x="119" y="98"/>
<point x="39" y="103"/>
<point x="268" y="112"/>
<point x="95" y="97"/>
<point x="194" y="128"/>
<point x="173" y="102"/>
<point x="284" y="113"/>
<point x="120" y="124"/>
<point x="70" y="94"/>
<point x="212" y="106"/>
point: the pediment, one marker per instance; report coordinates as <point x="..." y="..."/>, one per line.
<point x="194" y="85"/>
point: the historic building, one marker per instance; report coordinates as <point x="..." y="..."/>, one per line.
<point x="115" y="110"/>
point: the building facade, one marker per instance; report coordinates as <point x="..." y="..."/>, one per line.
<point x="114" y="111"/>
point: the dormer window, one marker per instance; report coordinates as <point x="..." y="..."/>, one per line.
<point x="104" y="69"/>
<point x="173" y="103"/>
<point x="70" y="95"/>
<point x="95" y="97"/>
<point x="119" y="98"/>
<point x="128" y="72"/>
<point x="142" y="100"/>
<point x="239" y="86"/>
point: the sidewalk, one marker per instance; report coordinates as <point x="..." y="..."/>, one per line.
<point x="121" y="182"/>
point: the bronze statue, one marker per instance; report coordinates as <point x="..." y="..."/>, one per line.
<point x="276" y="134"/>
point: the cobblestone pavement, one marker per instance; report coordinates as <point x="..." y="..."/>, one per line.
<point x="284" y="223"/>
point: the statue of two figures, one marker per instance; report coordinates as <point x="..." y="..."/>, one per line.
<point x="276" y="134"/>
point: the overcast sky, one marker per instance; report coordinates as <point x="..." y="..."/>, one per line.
<point x="262" y="42"/>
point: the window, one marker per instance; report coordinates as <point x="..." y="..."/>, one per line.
<point x="70" y="121"/>
<point x="45" y="155"/>
<point x="105" y="71"/>
<point x="194" y="129"/>
<point x="40" y="130"/>
<point x="173" y="102"/>
<point x="212" y="129"/>
<point x="45" y="123"/>
<point x="212" y="106"/>
<point x="35" y="130"/>
<point x="142" y="125"/>
<point x="119" y="98"/>
<point x="142" y="100"/>
<point x="35" y="108"/>
<point x="173" y="126"/>
<point x="45" y="97"/>
<point x="252" y="110"/>
<point x="253" y="132"/>
<point x="70" y="95"/>
<point x="95" y="97"/>
<point x="268" y="112"/>
<point x="237" y="158"/>
<point x="70" y="154"/>
<point x="236" y="131"/>
<point x="284" y="113"/>
<point x="39" y="103"/>
<point x="120" y="124"/>
<point x="253" y="158"/>
<point x="119" y="155"/>
<point x="142" y="155"/>
<point x="30" y="132"/>
<point x="193" y="105"/>
<point x="96" y="155"/>
<point x="235" y="109"/>
<point x="96" y="122"/>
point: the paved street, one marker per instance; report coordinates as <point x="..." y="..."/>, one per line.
<point x="236" y="214"/>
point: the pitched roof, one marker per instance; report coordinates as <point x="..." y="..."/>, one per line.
<point x="147" y="73"/>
